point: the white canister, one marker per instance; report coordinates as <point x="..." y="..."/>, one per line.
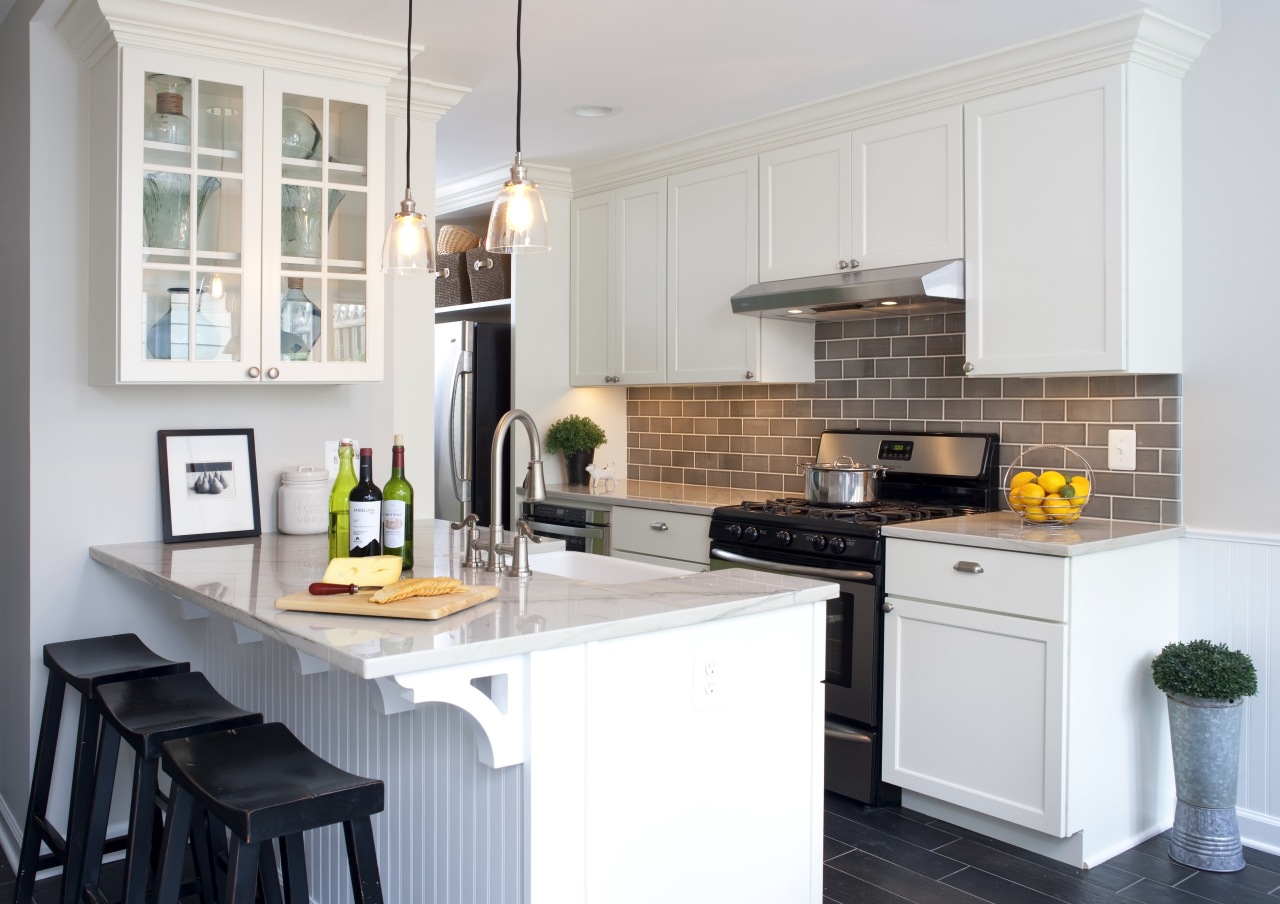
<point x="304" y="501"/>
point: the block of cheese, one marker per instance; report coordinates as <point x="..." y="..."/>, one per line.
<point x="368" y="571"/>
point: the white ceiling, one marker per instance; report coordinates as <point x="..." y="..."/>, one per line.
<point x="675" y="68"/>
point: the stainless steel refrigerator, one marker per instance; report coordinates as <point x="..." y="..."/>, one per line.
<point x="473" y="391"/>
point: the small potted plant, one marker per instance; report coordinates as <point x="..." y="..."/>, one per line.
<point x="576" y="437"/>
<point x="1205" y="684"/>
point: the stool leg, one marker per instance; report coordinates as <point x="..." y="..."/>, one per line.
<point x="269" y="875"/>
<point x="99" y="812"/>
<point x="242" y="871"/>
<point x="362" y="858"/>
<point x="204" y="855"/>
<point x="293" y="863"/>
<point x="82" y="784"/>
<point x="141" y="827"/>
<point x="176" y="828"/>
<point x="46" y="746"/>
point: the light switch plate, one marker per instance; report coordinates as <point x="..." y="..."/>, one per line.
<point x="1122" y="450"/>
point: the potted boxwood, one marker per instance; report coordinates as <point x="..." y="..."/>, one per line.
<point x="1205" y="684"/>
<point x="576" y="437"/>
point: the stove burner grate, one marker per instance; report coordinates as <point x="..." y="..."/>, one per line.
<point x="883" y="512"/>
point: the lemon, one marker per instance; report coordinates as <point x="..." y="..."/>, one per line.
<point x="1020" y="478"/>
<point x="1072" y="514"/>
<point x="1035" y="513"/>
<point x="1078" y="500"/>
<point x="1027" y="494"/>
<point x="1081" y="484"/>
<point x="1051" y="481"/>
<point x="1055" y="506"/>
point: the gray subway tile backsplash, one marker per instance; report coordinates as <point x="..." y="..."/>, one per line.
<point x="905" y="373"/>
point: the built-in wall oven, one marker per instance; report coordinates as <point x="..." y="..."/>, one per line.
<point x="582" y="529"/>
<point x="933" y="475"/>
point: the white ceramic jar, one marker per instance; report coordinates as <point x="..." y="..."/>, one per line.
<point x="304" y="501"/>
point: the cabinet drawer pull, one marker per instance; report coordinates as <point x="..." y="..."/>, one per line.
<point x="968" y="567"/>
<point x="659" y="525"/>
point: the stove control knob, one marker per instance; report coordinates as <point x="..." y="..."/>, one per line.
<point x="837" y="545"/>
<point x="785" y="538"/>
<point x="734" y="531"/>
<point x="752" y="534"/>
<point x="819" y="542"/>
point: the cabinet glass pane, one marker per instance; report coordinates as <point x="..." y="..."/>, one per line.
<point x="347" y="237"/>
<point x="300" y="323"/>
<point x="349" y="132"/>
<point x="181" y="325"/>
<point x="306" y="212"/>
<point x="346" y="304"/>
<point x="219" y="126"/>
<point x="218" y="238"/>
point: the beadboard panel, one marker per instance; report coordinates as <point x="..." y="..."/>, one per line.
<point x="1230" y="595"/>
<point x="452" y="827"/>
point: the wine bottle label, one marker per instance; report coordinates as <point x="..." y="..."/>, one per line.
<point x="392" y="523"/>
<point x="366" y="521"/>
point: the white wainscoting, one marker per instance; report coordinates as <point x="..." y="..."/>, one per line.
<point x="436" y="838"/>
<point x="1231" y="594"/>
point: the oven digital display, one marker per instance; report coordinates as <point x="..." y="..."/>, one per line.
<point x="896" y="449"/>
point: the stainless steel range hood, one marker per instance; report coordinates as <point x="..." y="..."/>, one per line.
<point x="887" y="292"/>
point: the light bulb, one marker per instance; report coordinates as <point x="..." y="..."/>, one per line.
<point x="216" y="288"/>
<point x="519" y="210"/>
<point x="408" y="236"/>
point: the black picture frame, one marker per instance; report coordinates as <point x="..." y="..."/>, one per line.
<point x="208" y="484"/>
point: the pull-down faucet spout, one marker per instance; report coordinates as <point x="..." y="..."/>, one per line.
<point x="535" y="487"/>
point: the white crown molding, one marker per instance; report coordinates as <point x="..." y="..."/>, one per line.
<point x="431" y="100"/>
<point x="1145" y="38"/>
<point x="480" y="189"/>
<point x="94" y="27"/>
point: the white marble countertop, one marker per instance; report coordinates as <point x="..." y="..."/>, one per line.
<point x="1005" y="530"/>
<point x="241" y="579"/>
<point x="652" y="494"/>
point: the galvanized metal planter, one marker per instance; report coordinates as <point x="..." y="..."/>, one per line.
<point x="1206" y="756"/>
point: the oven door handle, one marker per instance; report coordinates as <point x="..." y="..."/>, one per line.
<point x="845" y="733"/>
<point x="802" y="570"/>
<point x="560" y="530"/>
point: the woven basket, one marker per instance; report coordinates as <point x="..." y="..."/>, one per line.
<point x="453" y="239"/>
<point x="489" y="274"/>
<point x="452" y="285"/>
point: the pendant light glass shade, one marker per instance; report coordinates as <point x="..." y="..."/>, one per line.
<point x="518" y="221"/>
<point x="409" y="246"/>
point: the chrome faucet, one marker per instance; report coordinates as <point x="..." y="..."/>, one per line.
<point x="535" y="490"/>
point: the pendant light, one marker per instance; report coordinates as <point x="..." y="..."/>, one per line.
<point x="408" y="247"/>
<point x="518" y="221"/>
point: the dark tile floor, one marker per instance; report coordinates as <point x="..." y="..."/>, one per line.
<point x="895" y="855"/>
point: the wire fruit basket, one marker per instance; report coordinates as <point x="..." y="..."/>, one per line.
<point x="1049" y="485"/>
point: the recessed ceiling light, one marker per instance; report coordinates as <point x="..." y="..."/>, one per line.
<point x="795" y="311"/>
<point x="593" y="110"/>
<point x="889" y="303"/>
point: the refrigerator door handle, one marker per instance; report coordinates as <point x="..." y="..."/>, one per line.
<point x="461" y="481"/>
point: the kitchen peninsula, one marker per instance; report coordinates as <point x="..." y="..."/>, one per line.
<point x="595" y="729"/>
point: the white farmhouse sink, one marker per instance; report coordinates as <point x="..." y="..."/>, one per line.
<point x="581" y="566"/>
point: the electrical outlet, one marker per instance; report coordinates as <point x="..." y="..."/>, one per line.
<point x="1122" y="450"/>
<point x="708" y="680"/>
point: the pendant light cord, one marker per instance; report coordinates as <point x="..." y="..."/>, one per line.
<point x="519" y="72"/>
<point x="408" y="100"/>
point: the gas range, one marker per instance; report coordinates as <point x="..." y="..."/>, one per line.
<point x="933" y="475"/>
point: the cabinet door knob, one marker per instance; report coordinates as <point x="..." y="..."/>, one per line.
<point x="887" y="606"/>
<point x="254" y="373"/>
<point x="751" y="375"/>
<point x="968" y="367"/>
<point x="273" y="372"/>
<point x="486" y="264"/>
<point x="968" y="567"/>
<point x="659" y="525"/>
<point x="844" y="265"/>
<point x="854" y="265"/>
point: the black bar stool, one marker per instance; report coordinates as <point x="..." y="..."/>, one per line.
<point x="262" y="783"/>
<point x="145" y="713"/>
<point x="86" y="666"/>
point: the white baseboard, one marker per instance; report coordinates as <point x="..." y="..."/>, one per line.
<point x="1258" y="830"/>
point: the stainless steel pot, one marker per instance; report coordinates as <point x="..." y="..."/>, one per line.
<point x="842" y="482"/>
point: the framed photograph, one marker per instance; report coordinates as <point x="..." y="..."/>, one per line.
<point x="208" y="485"/>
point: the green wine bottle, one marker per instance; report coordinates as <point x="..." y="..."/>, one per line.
<point x="339" y="501"/>
<point x="397" y="509"/>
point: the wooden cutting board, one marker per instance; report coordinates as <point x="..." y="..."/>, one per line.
<point x="427" y="607"/>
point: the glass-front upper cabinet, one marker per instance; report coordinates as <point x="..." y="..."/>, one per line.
<point x="321" y="245"/>
<point x="247" y="244"/>
<point x="190" y="205"/>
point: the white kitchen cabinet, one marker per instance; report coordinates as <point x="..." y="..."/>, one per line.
<point x="1073" y="226"/>
<point x="618" y="311"/>
<point x="276" y="176"/>
<point x="880" y="196"/>
<point x="712" y="252"/>
<point x="1017" y="691"/>
<point x="676" y="539"/>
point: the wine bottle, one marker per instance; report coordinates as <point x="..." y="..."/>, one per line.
<point x="397" y="509"/>
<point x="339" y="496"/>
<point x="365" y="503"/>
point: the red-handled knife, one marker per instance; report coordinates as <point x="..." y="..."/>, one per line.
<point x="320" y="588"/>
